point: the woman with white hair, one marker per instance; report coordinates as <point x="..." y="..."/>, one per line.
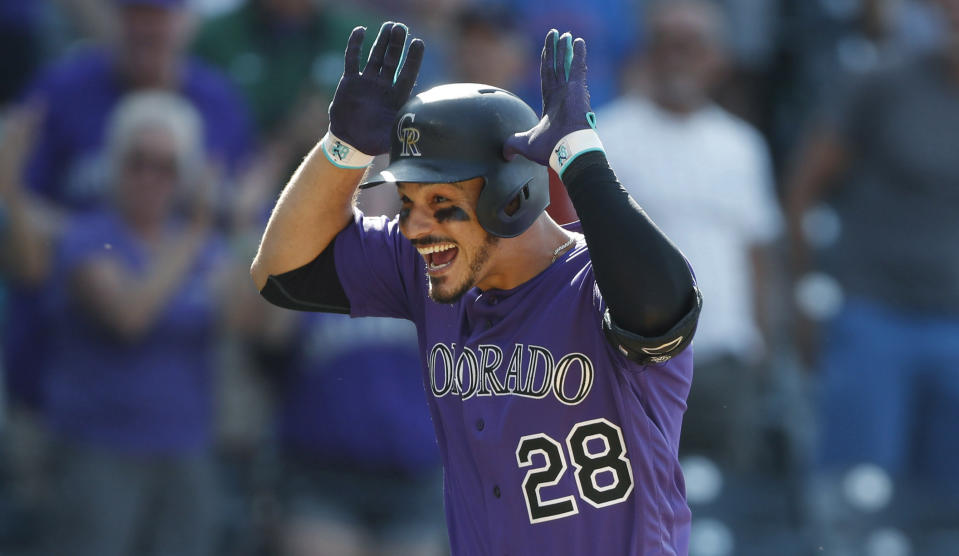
<point x="128" y="392"/>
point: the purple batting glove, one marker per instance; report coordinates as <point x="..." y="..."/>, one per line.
<point x="565" y="99"/>
<point x="365" y="104"/>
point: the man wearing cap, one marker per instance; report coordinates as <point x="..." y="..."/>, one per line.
<point x="554" y="358"/>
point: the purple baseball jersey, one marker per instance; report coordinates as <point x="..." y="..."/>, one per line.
<point x="552" y="441"/>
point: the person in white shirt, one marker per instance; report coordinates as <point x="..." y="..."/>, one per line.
<point x="705" y="177"/>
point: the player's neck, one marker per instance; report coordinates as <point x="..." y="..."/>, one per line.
<point x="520" y="259"/>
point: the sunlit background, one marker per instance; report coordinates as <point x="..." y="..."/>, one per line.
<point x="804" y="155"/>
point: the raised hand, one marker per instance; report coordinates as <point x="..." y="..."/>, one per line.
<point x="365" y="103"/>
<point x="565" y="101"/>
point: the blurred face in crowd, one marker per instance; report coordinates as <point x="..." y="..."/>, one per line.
<point x="685" y="54"/>
<point x="437" y="9"/>
<point x="478" y="45"/>
<point x="151" y="41"/>
<point x="148" y="176"/>
<point x="289" y="9"/>
<point x="440" y="221"/>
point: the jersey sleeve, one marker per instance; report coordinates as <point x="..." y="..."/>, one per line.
<point x="378" y="269"/>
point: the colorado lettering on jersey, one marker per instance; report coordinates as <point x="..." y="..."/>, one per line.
<point x="530" y="371"/>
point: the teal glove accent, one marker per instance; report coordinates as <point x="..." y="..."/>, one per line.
<point x="591" y="119"/>
<point x="568" y="62"/>
<point x="406" y="47"/>
<point x="555" y="35"/>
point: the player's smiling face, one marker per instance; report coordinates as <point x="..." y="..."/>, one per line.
<point x="440" y="221"/>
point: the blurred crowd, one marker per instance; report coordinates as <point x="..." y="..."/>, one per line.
<point x="803" y="154"/>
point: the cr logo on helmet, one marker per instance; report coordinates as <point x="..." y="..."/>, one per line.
<point x="408" y="135"/>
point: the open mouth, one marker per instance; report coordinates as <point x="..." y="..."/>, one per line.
<point x="438" y="257"/>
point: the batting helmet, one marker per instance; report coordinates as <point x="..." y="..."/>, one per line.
<point x="456" y="132"/>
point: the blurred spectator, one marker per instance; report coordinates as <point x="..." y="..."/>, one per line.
<point x="346" y="493"/>
<point x="886" y="161"/>
<point x="66" y="171"/>
<point x="485" y="33"/>
<point x="21" y="236"/>
<point x="434" y="21"/>
<point x="285" y="55"/>
<point x="137" y="290"/>
<point x="823" y="43"/>
<point x="610" y="27"/>
<point x="81" y="90"/>
<point x="705" y="177"/>
<point x="873" y="200"/>
<point x="21" y="453"/>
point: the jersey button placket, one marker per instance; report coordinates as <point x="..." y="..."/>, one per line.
<point x="496" y="491"/>
<point x="480" y="424"/>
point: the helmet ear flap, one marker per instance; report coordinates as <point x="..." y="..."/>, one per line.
<point x="514" y="206"/>
<point x="508" y="212"/>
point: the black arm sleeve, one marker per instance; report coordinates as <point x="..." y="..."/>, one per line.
<point x="652" y="300"/>
<point x="314" y="286"/>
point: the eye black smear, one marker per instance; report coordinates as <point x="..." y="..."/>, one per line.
<point x="451" y="214"/>
<point x="404" y="214"/>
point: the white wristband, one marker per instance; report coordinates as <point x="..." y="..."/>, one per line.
<point x="571" y="146"/>
<point x="342" y="154"/>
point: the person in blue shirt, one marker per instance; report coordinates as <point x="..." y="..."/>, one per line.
<point x="81" y="90"/>
<point x="360" y="466"/>
<point x="135" y="293"/>
<point x="65" y="172"/>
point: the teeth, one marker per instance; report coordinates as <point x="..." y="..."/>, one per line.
<point x="435" y="248"/>
<point x="439" y="266"/>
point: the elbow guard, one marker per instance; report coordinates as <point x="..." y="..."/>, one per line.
<point x="646" y="350"/>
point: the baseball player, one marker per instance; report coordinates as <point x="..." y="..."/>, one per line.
<point x="554" y="358"/>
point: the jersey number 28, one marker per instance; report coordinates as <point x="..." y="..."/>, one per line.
<point x="590" y="467"/>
